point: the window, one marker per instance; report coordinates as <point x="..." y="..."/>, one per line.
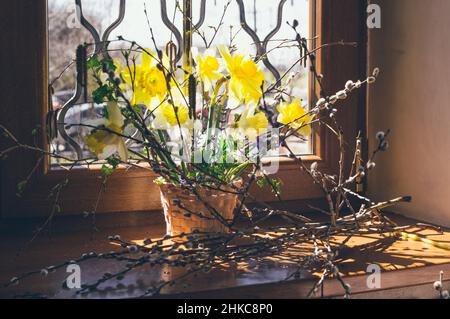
<point x="133" y="190"/>
<point x="219" y="24"/>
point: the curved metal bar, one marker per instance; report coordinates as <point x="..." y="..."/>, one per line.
<point x="278" y="26"/>
<point x="113" y="26"/>
<point x="100" y="44"/>
<point x="248" y="29"/>
<point x="79" y="88"/>
<point x="202" y="15"/>
<point x="266" y="61"/>
<point x="88" y="26"/>
<point x="172" y="28"/>
<point x="261" y="47"/>
<point x="62" y="126"/>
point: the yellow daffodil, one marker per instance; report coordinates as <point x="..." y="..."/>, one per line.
<point x="175" y="115"/>
<point x="295" y="116"/>
<point x="208" y="67"/>
<point x="147" y="81"/>
<point x="247" y="78"/>
<point x="106" y="141"/>
<point x="253" y="123"/>
<point x="172" y="114"/>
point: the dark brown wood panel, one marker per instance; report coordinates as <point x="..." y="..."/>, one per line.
<point x="23" y="85"/>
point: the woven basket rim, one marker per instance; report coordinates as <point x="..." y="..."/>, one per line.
<point x="225" y="190"/>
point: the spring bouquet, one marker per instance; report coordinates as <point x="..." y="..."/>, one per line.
<point x="201" y="129"/>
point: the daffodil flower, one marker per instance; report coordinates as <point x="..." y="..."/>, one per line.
<point x="170" y="115"/>
<point x="295" y="116"/>
<point x="208" y="67"/>
<point x="253" y="123"/>
<point x="247" y="78"/>
<point x="173" y="113"/>
<point x="146" y="80"/>
<point x="107" y="140"/>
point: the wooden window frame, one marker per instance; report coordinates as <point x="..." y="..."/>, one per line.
<point x="133" y="190"/>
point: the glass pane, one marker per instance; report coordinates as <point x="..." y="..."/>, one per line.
<point x="220" y="27"/>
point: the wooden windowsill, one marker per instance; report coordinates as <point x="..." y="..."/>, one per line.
<point x="285" y="163"/>
<point x="404" y="264"/>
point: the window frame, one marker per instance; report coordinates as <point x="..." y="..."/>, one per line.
<point x="133" y="190"/>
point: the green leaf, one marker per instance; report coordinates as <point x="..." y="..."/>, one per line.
<point x="236" y="172"/>
<point x="101" y="93"/>
<point x="21" y="188"/>
<point x="105" y="113"/>
<point x="94" y="63"/>
<point x="113" y="161"/>
<point x="160" y="181"/>
<point x="110" y="168"/>
<point x="107" y="170"/>
<point x="108" y="65"/>
<point x="35" y="131"/>
<point x="275" y="184"/>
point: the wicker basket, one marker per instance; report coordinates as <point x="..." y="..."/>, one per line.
<point x="178" y="204"/>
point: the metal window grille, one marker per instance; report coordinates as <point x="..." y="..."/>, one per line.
<point x="56" y="120"/>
